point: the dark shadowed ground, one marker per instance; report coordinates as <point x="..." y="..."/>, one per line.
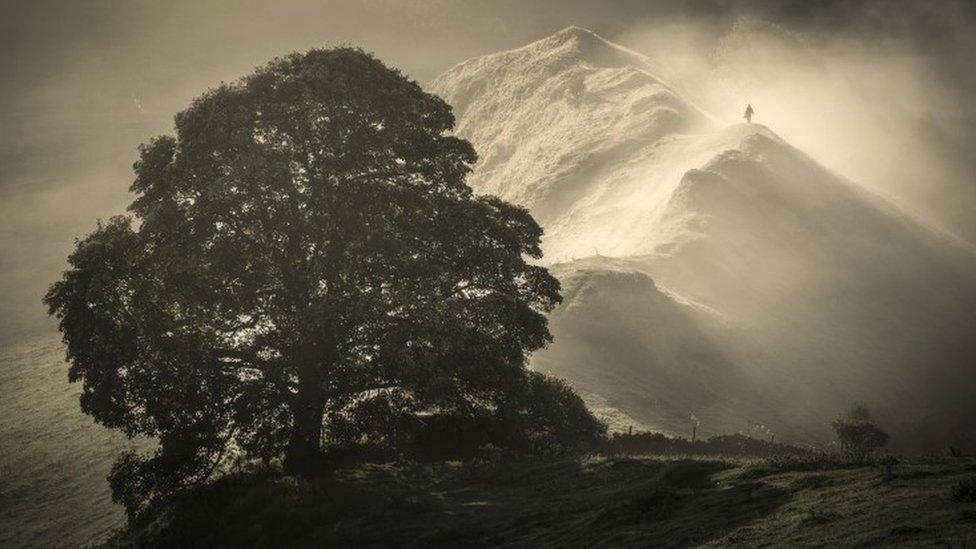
<point x="595" y="502"/>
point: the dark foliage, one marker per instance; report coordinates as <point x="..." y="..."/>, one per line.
<point x="545" y="417"/>
<point x="304" y="244"/>
<point x="549" y="418"/>
<point x="736" y="445"/>
<point x="859" y="436"/>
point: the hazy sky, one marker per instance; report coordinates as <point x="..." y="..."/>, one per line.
<point x="82" y="84"/>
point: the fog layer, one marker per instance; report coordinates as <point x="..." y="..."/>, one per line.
<point x="879" y="91"/>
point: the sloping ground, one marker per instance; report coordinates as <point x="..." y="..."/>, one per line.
<point x="596" y="502"/>
<point x="779" y="292"/>
<point x="552" y="120"/>
<point x="849" y="299"/>
<point x="858" y="508"/>
<point x="53" y="459"/>
<point x="621" y="337"/>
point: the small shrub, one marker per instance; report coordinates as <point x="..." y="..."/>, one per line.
<point x="859" y="436"/>
<point x="555" y="420"/>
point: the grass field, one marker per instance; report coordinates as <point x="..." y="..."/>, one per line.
<point x="590" y="502"/>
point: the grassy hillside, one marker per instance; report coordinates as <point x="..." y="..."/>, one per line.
<point x="53" y="458"/>
<point x="591" y="502"/>
<point x="53" y="493"/>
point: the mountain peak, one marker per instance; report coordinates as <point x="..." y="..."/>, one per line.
<point x="590" y="47"/>
<point x="557" y="108"/>
<point x="578" y="33"/>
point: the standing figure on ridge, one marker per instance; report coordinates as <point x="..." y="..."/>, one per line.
<point x="749" y="113"/>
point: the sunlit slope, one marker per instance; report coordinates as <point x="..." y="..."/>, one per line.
<point x="657" y="359"/>
<point x="847" y="298"/>
<point x="822" y="293"/>
<point x="556" y="121"/>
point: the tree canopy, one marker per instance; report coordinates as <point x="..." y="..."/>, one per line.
<point x="858" y="434"/>
<point x="305" y="240"/>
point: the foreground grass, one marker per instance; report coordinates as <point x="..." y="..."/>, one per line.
<point x="590" y="502"/>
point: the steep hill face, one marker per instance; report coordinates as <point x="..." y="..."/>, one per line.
<point x="846" y="298"/>
<point x="555" y="121"/>
<point x="784" y="293"/>
<point x="644" y="351"/>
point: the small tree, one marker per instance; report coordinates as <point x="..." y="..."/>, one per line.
<point x="305" y="240"/>
<point x="858" y="434"/>
<point x="554" y="419"/>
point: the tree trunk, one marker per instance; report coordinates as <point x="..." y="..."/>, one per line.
<point x="304" y="445"/>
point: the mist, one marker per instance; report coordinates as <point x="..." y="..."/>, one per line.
<point x="875" y="108"/>
<point x="878" y="91"/>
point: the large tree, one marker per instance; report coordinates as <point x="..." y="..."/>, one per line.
<point x="305" y="240"/>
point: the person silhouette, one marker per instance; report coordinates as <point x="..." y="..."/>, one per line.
<point x="749" y="113"/>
